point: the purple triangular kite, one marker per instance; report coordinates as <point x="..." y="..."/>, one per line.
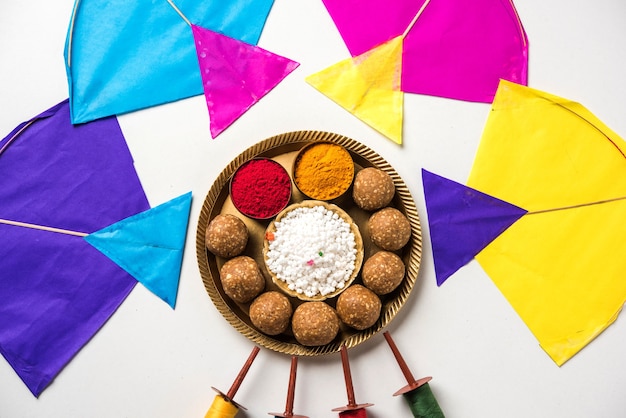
<point x="462" y="222"/>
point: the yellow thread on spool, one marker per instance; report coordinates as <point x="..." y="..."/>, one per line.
<point x="221" y="408"/>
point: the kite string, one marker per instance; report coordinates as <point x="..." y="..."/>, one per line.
<point x="14" y="137"/>
<point x="179" y="12"/>
<point x="24" y="224"/>
<point x="520" y="27"/>
<point x="71" y="34"/>
<point x="419" y="13"/>
<point x="43" y="228"/>
<point x="608" y="138"/>
<point x="599" y="202"/>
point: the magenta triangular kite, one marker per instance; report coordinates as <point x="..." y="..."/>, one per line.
<point x="462" y="221"/>
<point x="235" y="75"/>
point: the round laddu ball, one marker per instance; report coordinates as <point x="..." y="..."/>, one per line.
<point x="389" y="229"/>
<point x="358" y="307"/>
<point x="383" y="272"/>
<point x="270" y="312"/>
<point x="241" y="279"/>
<point x="314" y="323"/>
<point x="226" y="236"/>
<point x="372" y="189"/>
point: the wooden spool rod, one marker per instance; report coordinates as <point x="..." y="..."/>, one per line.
<point x="291" y="390"/>
<point x="242" y="374"/>
<point x="412" y="383"/>
<point x="352" y="405"/>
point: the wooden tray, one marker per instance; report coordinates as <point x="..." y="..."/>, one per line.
<point x="283" y="149"/>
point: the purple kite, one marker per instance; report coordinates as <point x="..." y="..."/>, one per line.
<point x="462" y="222"/>
<point x="57" y="289"/>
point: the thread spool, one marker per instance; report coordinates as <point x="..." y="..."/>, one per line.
<point x="223" y="405"/>
<point x="352" y="409"/>
<point x="417" y="393"/>
<point x="357" y="413"/>
<point x="422" y="402"/>
<point x="221" y="408"/>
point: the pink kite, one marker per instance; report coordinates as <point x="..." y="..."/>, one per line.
<point x="455" y="49"/>
<point x="365" y="24"/>
<point x="235" y="75"/>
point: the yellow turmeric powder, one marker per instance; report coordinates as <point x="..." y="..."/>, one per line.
<point x="323" y="171"/>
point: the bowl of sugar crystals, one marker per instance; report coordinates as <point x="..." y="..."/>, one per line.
<point x="313" y="250"/>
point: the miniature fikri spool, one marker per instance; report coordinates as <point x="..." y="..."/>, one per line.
<point x="352" y="409"/>
<point x="223" y="405"/>
<point x="417" y="392"/>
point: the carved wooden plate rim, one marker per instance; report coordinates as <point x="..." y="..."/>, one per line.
<point x="291" y="142"/>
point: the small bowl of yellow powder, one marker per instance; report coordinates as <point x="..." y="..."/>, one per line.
<point x="323" y="170"/>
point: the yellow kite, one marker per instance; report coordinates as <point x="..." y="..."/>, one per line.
<point x="368" y="86"/>
<point x="562" y="266"/>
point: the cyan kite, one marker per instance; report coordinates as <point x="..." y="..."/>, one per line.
<point x="124" y="56"/>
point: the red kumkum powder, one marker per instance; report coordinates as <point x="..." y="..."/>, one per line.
<point x="260" y="188"/>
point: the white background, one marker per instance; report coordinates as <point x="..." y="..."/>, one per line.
<point x="151" y="361"/>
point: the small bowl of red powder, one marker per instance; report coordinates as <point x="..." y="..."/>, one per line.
<point x="260" y="188"/>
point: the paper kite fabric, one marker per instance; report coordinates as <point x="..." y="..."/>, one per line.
<point x="368" y="86"/>
<point x="561" y="266"/>
<point x="462" y="221"/>
<point x="123" y="56"/>
<point x="455" y="49"/>
<point x="57" y="290"/>
<point x="365" y="24"/>
<point x="149" y="245"/>
<point x="235" y="75"/>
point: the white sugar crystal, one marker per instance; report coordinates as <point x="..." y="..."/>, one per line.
<point x="294" y="253"/>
